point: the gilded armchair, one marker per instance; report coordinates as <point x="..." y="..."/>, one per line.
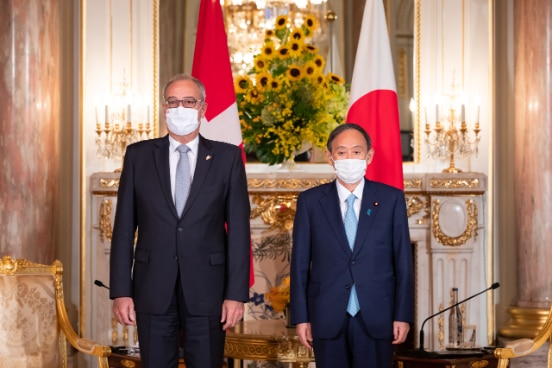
<point x="34" y="327"/>
<point x="522" y="347"/>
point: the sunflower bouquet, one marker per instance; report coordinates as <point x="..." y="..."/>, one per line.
<point x="287" y="103"/>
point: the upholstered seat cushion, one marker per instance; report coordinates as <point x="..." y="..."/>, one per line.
<point x="28" y="322"/>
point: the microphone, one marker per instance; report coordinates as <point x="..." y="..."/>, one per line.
<point x="492" y="287"/>
<point x="100" y="284"/>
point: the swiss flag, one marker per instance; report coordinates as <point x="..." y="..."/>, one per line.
<point x="212" y="66"/>
<point x="373" y="103"/>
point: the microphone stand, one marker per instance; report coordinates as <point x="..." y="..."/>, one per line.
<point x="492" y="287"/>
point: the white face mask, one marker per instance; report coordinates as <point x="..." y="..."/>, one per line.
<point x="351" y="170"/>
<point x="182" y="121"/>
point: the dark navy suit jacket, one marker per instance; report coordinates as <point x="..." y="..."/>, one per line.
<point x="213" y="263"/>
<point x="323" y="267"/>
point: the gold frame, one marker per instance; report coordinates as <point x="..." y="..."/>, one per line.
<point x="82" y="157"/>
<point x="490" y="271"/>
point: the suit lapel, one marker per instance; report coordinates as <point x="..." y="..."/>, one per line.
<point x="367" y="216"/>
<point x="161" y="154"/>
<point x="330" y="206"/>
<point x="205" y="156"/>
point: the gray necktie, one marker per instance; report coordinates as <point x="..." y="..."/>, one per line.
<point x="182" y="179"/>
<point x="351" y="224"/>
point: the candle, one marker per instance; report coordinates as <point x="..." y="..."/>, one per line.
<point x="437" y="112"/>
<point x="425" y="112"/>
<point x="477" y="120"/>
<point x="128" y="113"/>
<point x="106" y="119"/>
<point x="148" y="113"/>
<point x="463" y="113"/>
<point x="96" y="112"/>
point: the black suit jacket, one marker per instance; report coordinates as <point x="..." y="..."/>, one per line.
<point x="208" y="246"/>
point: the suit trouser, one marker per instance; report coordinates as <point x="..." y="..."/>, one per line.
<point x="160" y="335"/>
<point x="353" y="347"/>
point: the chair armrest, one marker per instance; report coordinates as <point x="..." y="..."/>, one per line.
<point x="516" y="348"/>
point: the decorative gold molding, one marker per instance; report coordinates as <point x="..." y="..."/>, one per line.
<point x="414" y="204"/>
<point x="105" y="220"/>
<point x="114" y="330"/>
<point x="412" y="183"/>
<point x="109" y="183"/>
<point x="299" y="184"/>
<point x="454" y="183"/>
<point x="128" y="363"/>
<point x="480" y="363"/>
<point x="471" y="226"/>
<point x="275" y="209"/>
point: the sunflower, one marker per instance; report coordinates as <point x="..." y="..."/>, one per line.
<point x="268" y="50"/>
<point x="281" y="22"/>
<point x="310" y="22"/>
<point x="311" y="69"/>
<point x="260" y="62"/>
<point x="336" y="78"/>
<point x="295" y="49"/>
<point x="242" y="84"/>
<point x="263" y="80"/>
<point x="297" y="35"/>
<point x="294" y="72"/>
<point x="283" y="52"/>
<point x="311" y="48"/>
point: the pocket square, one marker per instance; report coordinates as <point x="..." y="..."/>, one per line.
<point x="369" y="212"/>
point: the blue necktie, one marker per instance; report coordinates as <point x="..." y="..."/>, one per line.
<point x="182" y="179"/>
<point x="351" y="224"/>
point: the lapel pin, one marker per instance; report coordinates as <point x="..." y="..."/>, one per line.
<point x="376" y="204"/>
<point x="369" y="212"/>
<point x="208" y="158"/>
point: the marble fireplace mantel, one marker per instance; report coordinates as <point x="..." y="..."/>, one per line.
<point x="447" y="217"/>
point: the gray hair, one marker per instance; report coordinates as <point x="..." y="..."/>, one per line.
<point x="179" y="77"/>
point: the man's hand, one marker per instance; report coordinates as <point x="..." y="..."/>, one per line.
<point x="400" y="330"/>
<point x="123" y="310"/>
<point x="232" y="313"/>
<point x="304" y="334"/>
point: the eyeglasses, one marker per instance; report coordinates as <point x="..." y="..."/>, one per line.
<point x="188" y="103"/>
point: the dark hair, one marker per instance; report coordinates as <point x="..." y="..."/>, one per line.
<point x="343" y="127"/>
<point x="179" y="77"/>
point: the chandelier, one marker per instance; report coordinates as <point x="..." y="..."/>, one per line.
<point x="247" y="21"/>
<point x="451" y="136"/>
<point x="126" y="120"/>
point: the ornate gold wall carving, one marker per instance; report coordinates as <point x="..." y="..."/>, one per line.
<point x="470" y="183"/>
<point x="275" y="209"/>
<point x="105" y="220"/>
<point x="298" y="184"/>
<point x="469" y="231"/>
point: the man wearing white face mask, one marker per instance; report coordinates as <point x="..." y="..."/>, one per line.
<point x="188" y="275"/>
<point x="351" y="265"/>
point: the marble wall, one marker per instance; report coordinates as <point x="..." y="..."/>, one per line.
<point x="30" y="106"/>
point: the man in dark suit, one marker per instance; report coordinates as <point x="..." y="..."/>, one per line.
<point x="189" y="272"/>
<point x="351" y="266"/>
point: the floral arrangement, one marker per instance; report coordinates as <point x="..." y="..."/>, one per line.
<point x="287" y="104"/>
<point x="278" y="296"/>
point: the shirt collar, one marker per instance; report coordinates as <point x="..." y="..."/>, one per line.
<point x="343" y="192"/>
<point x="192" y="145"/>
